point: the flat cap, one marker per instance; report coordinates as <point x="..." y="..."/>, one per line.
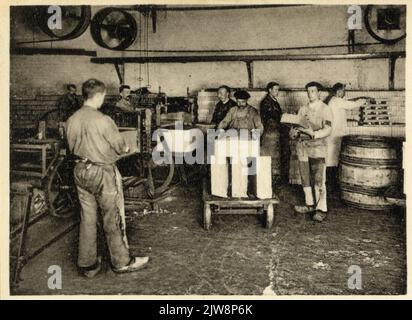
<point x="242" y="94"/>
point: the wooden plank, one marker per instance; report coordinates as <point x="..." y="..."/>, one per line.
<point x="52" y="51"/>
<point x="239" y="203"/>
<point x="238" y="211"/>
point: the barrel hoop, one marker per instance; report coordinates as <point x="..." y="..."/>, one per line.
<point x="373" y="145"/>
<point x="361" y="162"/>
<point x="369" y="191"/>
<point x="368" y="206"/>
<point x="372" y="141"/>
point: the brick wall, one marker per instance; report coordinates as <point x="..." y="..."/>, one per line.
<point x="25" y="112"/>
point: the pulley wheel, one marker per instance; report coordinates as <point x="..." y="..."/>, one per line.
<point x="114" y="29"/>
<point x="75" y="20"/>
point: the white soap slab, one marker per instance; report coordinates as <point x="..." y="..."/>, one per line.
<point x="219" y="177"/>
<point x="239" y="179"/>
<point x="264" y="178"/>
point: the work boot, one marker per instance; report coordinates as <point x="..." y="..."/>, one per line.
<point x="92" y="271"/>
<point x="304" y="209"/>
<point x="319" y="216"/>
<point x="136" y="263"/>
<point x="251" y="196"/>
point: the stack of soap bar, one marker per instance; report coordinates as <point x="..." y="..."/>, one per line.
<point x="264" y="177"/>
<point x="219" y="172"/>
<point x="239" y="179"/>
<point x="234" y="147"/>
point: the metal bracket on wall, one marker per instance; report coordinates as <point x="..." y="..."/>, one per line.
<point x="392" y="63"/>
<point x="249" y="66"/>
<point x="120" y="71"/>
<point x="351" y="41"/>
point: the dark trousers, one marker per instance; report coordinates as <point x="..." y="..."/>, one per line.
<point x="100" y="186"/>
<point x="332" y="179"/>
<point x="284" y="154"/>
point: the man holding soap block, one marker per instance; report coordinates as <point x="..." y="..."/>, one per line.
<point x="311" y="127"/>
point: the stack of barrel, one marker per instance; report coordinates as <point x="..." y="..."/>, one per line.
<point x="369" y="166"/>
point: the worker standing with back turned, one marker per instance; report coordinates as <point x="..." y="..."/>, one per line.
<point x="96" y="143"/>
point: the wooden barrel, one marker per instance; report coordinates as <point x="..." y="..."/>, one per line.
<point x="369" y="166"/>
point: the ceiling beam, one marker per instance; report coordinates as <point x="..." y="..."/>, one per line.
<point x="245" y="58"/>
<point x="52" y="51"/>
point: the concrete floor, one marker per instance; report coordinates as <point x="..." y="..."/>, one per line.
<point x="238" y="256"/>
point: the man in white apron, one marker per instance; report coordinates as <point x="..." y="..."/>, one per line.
<point x="311" y="149"/>
<point x="338" y="105"/>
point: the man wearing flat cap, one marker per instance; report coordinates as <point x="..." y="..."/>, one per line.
<point x="243" y="116"/>
<point x="311" y="148"/>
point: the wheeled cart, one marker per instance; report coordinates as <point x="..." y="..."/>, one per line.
<point x="218" y="205"/>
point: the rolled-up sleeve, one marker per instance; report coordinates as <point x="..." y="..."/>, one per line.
<point x="326" y="124"/>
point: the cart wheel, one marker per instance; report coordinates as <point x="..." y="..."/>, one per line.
<point x="60" y="190"/>
<point x="207" y="216"/>
<point x="269" y="216"/>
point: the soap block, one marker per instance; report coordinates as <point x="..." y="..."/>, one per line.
<point x="239" y="171"/>
<point x="219" y="171"/>
<point x="234" y="147"/>
<point x="130" y="137"/>
<point x="264" y="177"/>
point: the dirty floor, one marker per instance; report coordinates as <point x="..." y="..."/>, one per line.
<point x="238" y="256"/>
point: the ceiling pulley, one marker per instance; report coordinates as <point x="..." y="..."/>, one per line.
<point x="386" y="23"/>
<point x="74" y="21"/>
<point x="114" y="29"/>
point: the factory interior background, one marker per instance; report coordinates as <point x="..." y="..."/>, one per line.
<point x="185" y="53"/>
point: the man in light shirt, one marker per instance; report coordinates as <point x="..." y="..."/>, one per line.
<point x="311" y="149"/>
<point x="96" y="144"/>
<point x="338" y="105"/>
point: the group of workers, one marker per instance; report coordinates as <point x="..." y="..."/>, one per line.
<point x="317" y="145"/>
<point x="96" y="144"/>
